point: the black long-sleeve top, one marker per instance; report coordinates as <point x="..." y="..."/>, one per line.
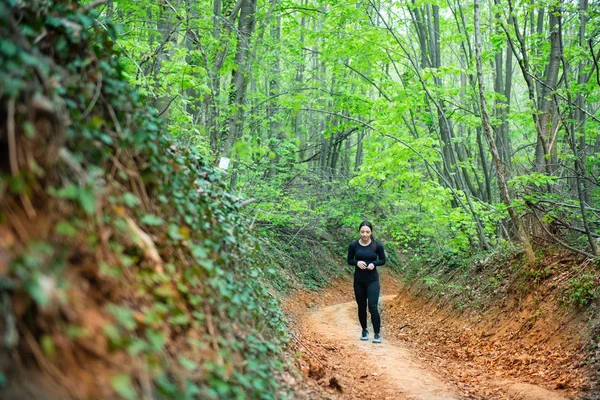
<point x="357" y="252"/>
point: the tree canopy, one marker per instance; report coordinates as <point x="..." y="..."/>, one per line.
<point x="401" y="111"/>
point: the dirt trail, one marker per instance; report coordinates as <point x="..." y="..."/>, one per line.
<point x="348" y="368"/>
<point x="400" y="374"/>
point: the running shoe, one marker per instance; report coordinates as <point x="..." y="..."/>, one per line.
<point x="377" y="338"/>
<point x="365" y="335"/>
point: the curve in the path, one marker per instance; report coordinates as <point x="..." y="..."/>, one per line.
<point x="401" y="374"/>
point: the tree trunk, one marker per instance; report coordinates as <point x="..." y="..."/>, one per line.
<point x="546" y="145"/>
<point x="239" y="74"/>
<point x="164" y="26"/>
<point x="275" y="130"/>
<point x="578" y="154"/>
<point x="487" y="130"/>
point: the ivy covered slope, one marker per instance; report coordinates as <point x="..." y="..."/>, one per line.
<point x="125" y="265"/>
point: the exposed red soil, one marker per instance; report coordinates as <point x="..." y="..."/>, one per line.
<point x="495" y="354"/>
<point x="324" y="360"/>
<point x="517" y="349"/>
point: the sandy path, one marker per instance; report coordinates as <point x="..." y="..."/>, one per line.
<point x="398" y="373"/>
<point x="388" y="370"/>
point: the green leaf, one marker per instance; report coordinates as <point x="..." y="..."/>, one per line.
<point x="124" y="387"/>
<point x="65" y="228"/>
<point x="87" y="199"/>
<point x="180" y="319"/>
<point x="76" y="332"/>
<point x="112" y="333"/>
<point x="37" y="291"/>
<point x="156" y="339"/>
<point x="8" y="48"/>
<point x="123" y="315"/>
<point x="174" y="232"/>
<point x="165" y="291"/>
<point x="108" y="270"/>
<point x="48" y="346"/>
<point x="29" y="129"/>
<point x="208" y="265"/>
<point x="152" y="220"/>
<point x="192" y="390"/>
<point x="137" y="346"/>
<point x="199" y="252"/>
<point x="187" y="363"/>
<point x="70" y="192"/>
<point x="131" y="200"/>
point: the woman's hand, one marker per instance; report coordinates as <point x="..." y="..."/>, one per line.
<point x="361" y="265"/>
<point x="371" y="266"/>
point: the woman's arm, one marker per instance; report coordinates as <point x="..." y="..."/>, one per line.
<point x="380" y="255"/>
<point x="351" y="253"/>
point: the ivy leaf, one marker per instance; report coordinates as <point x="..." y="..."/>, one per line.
<point x="66" y="229"/>
<point x="87" y="199"/>
<point x="156" y="340"/>
<point x="8" y="48"/>
<point x="131" y="200"/>
<point x="48" y="346"/>
<point x="123" y="315"/>
<point x="180" y="319"/>
<point x="174" y="232"/>
<point x="137" y="346"/>
<point x="152" y="220"/>
<point x="165" y="291"/>
<point x="123" y="386"/>
<point x="187" y="363"/>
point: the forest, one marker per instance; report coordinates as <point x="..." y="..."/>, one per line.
<point x="180" y="180"/>
<point x="465" y="126"/>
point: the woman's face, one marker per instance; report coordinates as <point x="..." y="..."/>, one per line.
<point x="365" y="233"/>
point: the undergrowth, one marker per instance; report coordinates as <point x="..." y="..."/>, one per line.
<point x="309" y="258"/>
<point x="470" y="281"/>
<point x="97" y="203"/>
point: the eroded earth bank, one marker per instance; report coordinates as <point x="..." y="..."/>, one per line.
<point x="517" y="349"/>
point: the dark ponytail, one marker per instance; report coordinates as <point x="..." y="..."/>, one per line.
<point x="368" y="225"/>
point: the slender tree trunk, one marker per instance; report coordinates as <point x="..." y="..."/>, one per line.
<point x="578" y="154"/>
<point x="500" y="110"/>
<point x="359" y="149"/>
<point x="297" y="123"/>
<point x="539" y="91"/>
<point x="546" y="147"/>
<point x="239" y="74"/>
<point x="507" y="95"/>
<point x="484" y="167"/>
<point x="164" y="27"/>
<point x="452" y="174"/>
<point x="580" y="116"/>
<point x="487" y="130"/>
<point x="275" y="129"/>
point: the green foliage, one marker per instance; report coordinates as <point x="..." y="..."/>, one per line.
<point x="38" y="269"/>
<point x="317" y="72"/>
<point x="124" y="387"/>
<point x="341" y="122"/>
<point x="583" y="290"/>
<point x="133" y="185"/>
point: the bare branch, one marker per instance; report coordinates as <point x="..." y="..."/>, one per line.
<point x="557" y="240"/>
<point x="92" y="5"/>
<point x="369" y="80"/>
<point x="12" y="139"/>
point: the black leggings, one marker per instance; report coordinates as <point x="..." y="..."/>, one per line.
<point x="368" y="292"/>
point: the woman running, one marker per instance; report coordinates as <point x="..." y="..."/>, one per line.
<point x="366" y="254"/>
